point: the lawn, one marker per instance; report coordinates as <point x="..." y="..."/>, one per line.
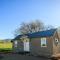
<point x="6" y="46"/>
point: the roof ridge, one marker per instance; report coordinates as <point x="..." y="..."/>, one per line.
<point x="42" y="31"/>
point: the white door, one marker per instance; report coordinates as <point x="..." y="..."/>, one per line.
<point x="26" y="46"/>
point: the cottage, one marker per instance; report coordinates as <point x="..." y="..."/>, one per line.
<point x="45" y="43"/>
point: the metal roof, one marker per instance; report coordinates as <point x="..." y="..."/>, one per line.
<point x="46" y="33"/>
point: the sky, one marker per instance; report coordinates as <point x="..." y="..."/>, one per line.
<point x="14" y="12"/>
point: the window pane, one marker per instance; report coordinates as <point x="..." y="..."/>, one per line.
<point x="43" y="42"/>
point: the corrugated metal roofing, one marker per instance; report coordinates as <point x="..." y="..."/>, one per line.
<point x="46" y="33"/>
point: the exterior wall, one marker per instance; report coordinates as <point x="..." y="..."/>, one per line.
<point x="58" y="31"/>
<point x="36" y="49"/>
<point x="56" y="48"/>
<point x="19" y="47"/>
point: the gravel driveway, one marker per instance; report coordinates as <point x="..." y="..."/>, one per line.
<point x="20" y="57"/>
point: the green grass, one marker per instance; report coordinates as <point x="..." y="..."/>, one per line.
<point x="5" y="50"/>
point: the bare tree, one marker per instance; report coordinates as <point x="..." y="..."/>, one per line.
<point x="34" y="26"/>
<point x="48" y="27"/>
<point x="31" y="27"/>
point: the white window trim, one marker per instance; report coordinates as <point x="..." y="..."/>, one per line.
<point x="15" y="43"/>
<point x="56" y="40"/>
<point x="43" y="42"/>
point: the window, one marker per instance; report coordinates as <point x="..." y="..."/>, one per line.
<point x="56" y="41"/>
<point x="15" y="43"/>
<point x="43" y="42"/>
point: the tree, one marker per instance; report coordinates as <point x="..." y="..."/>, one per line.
<point x="30" y="27"/>
<point x="34" y="26"/>
<point x="48" y="27"/>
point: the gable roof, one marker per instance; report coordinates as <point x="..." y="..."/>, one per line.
<point x="46" y="33"/>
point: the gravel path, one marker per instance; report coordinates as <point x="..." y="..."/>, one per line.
<point x="20" y="57"/>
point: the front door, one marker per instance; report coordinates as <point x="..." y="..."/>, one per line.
<point x="26" y="46"/>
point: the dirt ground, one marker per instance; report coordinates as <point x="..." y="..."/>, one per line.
<point x="20" y="57"/>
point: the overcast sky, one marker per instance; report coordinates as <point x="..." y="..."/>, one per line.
<point x="14" y="12"/>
